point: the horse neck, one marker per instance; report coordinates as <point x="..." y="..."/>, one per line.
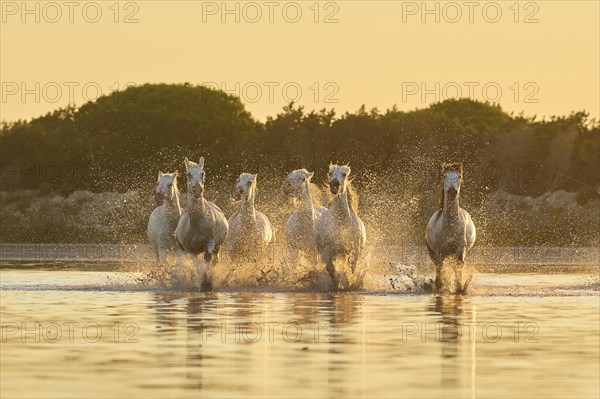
<point x="195" y="206"/>
<point x="450" y="210"/>
<point x="307" y="201"/>
<point x="247" y="207"/>
<point x="340" y="205"/>
<point x="174" y="203"/>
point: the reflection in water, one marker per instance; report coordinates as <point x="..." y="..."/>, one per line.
<point x="348" y="345"/>
<point x="456" y="318"/>
<point x="342" y="310"/>
<point x="195" y="312"/>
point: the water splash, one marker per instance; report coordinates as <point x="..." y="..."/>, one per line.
<point x="188" y="273"/>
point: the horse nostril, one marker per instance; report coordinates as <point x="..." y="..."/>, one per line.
<point x="334" y="186"/>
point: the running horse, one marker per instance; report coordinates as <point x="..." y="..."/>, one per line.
<point x="340" y="233"/>
<point x="450" y="230"/>
<point x="202" y="227"/>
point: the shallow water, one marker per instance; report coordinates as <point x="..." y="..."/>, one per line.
<point x="75" y="333"/>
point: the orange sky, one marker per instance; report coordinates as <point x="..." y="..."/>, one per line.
<point x="538" y="57"/>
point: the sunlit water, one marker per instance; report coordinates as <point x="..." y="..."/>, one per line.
<point x="75" y="333"/>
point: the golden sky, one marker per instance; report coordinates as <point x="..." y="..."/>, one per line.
<point x="539" y="57"/>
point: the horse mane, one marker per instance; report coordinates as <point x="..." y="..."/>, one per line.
<point x="457" y="166"/>
<point x="315" y="193"/>
<point x="352" y="196"/>
<point x="175" y="184"/>
<point x="319" y="195"/>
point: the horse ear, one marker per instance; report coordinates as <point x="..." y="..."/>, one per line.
<point x="176" y="174"/>
<point x="186" y="162"/>
<point x="201" y="162"/>
<point x="160" y="174"/>
<point x="310" y="175"/>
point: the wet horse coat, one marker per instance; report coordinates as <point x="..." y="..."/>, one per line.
<point x="450" y="230"/>
<point x="300" y="227"/>
<point x="163" y="220"/>
<point x="250" y="230"/>
<point x="202" y="227"/>
<point x="340" y="232"/>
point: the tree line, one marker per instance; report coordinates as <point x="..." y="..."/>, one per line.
<point x="118" y="143"/>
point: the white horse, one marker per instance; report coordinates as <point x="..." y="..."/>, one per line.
<point x="450" y="230"/>
<point x="163" y="220"/>
<point x="340" y="232"/>
<point x="202" y="226"/>
<point x="250" y="231"/>
<point x="300" y="227"/>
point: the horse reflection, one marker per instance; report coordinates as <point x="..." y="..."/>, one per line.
<point x="456" y="336"/>
<point x="343" y="312"/>
<point x="185" y="314"/>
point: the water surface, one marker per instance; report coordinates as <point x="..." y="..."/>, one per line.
<point x="68" y="334"/>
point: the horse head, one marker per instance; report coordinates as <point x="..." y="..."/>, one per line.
<point x="166" y="187"/>
<point x="296" y="182"/>
<point x="452" y="174"/>
<point x="195" y="175"/>
<point x="338" y="178"/>
<point x="245" y="186"/>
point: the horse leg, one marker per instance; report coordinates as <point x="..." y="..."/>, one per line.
<point x="458" y="270"/>
<point x="331" y="270"/>
<point x="438" y="274"/>
<point x="208" y="257"/>
<point x="438" y="261"/>
<point x="315" y="255"/>
<point x="215" y="254"/>
<point x="157" y="255"/>
<point x="292" y="254"/>
<point x="162" y="255"/>
<point x="210" y="247"/>
<point x="206" y="284"/>
<point x="178" y="244"/>
<point x="161" y="250"/>
<point x="352" y="260"/>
